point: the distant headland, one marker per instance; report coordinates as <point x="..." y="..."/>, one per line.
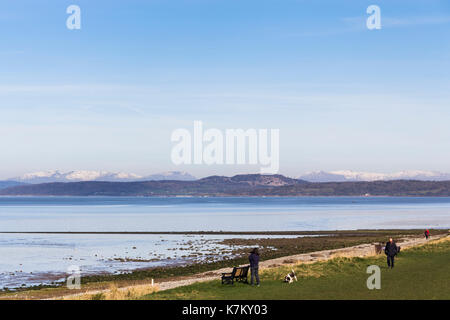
<point x="238" y="185"/>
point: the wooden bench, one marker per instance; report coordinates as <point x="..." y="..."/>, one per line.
<point x="238" y="274"/>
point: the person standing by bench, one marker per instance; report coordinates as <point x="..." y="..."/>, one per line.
<point x="254" y="265"/>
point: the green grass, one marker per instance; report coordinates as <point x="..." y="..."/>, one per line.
<point x="420" y="273"/>
<point x="283" y="247"/>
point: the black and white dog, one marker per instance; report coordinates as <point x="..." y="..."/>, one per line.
<point x="290" y="277"/>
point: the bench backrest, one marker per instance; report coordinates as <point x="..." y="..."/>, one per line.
<point x="240" y="271"/>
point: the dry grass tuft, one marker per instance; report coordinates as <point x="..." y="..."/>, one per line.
<point x="444" y="239"/>
<point x="116" y="293"/>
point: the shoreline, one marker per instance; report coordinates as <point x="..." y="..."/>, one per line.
<point x="306" y="233"/>
<point x="340" y="240"/>
<point x="216" y="196"/>
<point x="362" y="251"/>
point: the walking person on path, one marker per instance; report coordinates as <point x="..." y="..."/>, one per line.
<point x="427" y="234"/>
<point x="254" y="265"/>
<point x="391" y="251"/>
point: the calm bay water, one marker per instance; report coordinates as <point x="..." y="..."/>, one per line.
<point x="28" y="259"/>
<point x="212" y="214"/>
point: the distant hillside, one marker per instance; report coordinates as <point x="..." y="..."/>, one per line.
<point x="7" y="184"/>
<point x="254" y="180"/>
<point x="240" y="185"/>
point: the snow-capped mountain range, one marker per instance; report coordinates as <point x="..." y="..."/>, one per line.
<point x="315" y="176"/>
<point x="83" y="175"/>
<point x="347" y="175"/>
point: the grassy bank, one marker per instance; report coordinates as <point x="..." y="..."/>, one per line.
<point x="420" y="273"/>
<point x="271" y="248"/>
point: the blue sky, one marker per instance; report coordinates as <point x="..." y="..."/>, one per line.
<point x="108" y="96"/>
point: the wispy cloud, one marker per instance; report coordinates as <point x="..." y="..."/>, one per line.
<point x="359" y="23"/>
<point x="414" y="21"/>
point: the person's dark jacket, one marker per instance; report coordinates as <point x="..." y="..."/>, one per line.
<point x="391" y="249"/>
<point x="254" y="260"/>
